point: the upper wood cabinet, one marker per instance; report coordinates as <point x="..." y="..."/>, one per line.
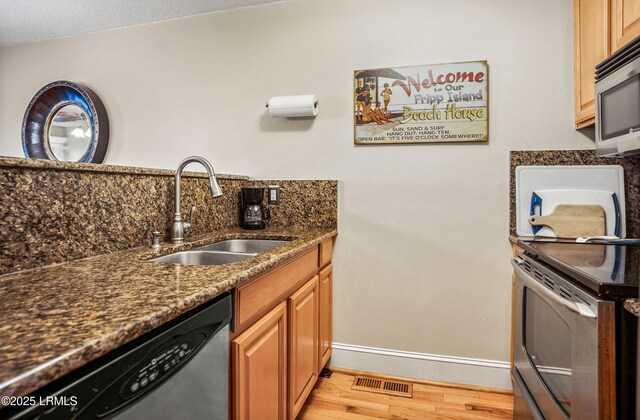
<point x="600" y="27"/>
<point x="625" y="22"/>
<point x="591" y="46"/>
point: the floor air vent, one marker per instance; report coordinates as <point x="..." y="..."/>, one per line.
<point x="383" y="386"/>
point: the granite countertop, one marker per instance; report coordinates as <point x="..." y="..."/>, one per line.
<point x="632" y="305"/>
<point x="60" y="317"/>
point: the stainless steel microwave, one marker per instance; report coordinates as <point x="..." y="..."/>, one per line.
<point x="617" y="102"/>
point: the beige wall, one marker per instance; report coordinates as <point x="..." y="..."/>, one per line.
<point x="421" y="262"/>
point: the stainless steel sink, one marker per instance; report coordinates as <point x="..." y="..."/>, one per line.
<point x="203" y="257"/>
<point x="224" y="252"/>
<point x="255" y="246"/>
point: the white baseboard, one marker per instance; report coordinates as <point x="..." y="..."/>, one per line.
<point x="430" y="367"/>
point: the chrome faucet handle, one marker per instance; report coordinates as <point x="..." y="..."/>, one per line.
<point x="155" y="240"/>
<point x="178" y="228"/>
<point x="189" y="225"/>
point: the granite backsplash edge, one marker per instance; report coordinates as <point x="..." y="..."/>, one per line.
<point x="54" y="212"/>
<point x="631" y="166"/>
<point x="12" y="162"/>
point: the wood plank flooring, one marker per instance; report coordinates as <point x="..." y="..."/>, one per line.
<point x="333" y="398"/>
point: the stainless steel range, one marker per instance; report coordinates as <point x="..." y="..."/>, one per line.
<point x="574" y="344"/>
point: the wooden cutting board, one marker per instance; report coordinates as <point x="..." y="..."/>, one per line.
<point x="576" y="255"/>
<point x="573" y="220"/>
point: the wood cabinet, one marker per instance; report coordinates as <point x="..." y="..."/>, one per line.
<point x="303" y="344"/>
<point x="325" y="253"/>
<point x="625" y="22"/>
<point x="600" y="27"/>
<point x="591" y="46"/>
<point x="259" y="368"/>
<point x="325" y="295"/>
<point x="258" y="296"/>
<point x="282" y="336"/>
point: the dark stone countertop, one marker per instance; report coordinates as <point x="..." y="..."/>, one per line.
<point x="60" y="317"/>
<point x="632" y="305"/>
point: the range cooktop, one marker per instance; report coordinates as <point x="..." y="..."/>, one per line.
<point x="608" y="270"/>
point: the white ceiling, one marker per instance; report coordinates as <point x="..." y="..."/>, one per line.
<point x="38" y="20"/>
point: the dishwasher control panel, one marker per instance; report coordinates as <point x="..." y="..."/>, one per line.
<point x="162" y="363"/>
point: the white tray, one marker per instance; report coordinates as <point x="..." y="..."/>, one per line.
<point x="581" y="185"/>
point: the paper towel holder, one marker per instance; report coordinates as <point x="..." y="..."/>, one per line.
<point x="293" y="110"/>
<point x="315" y="104"/>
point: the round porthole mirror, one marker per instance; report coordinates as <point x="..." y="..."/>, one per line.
<point x="67" y="122"/>
<point x="69" y="133"/>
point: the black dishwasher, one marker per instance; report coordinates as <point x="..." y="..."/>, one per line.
<point x="178" y="371"/>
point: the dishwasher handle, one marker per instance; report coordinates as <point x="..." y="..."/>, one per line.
<point x="575" y="307"/>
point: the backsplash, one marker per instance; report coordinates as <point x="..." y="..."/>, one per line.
<point x="305" y="204"/>
<point x="53" y="212"/>
<point x="631" y="166"/>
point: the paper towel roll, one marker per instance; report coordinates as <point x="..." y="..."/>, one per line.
<point x="293" y="106"/>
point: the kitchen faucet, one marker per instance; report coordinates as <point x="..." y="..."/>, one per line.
<point x="179" y="227"/>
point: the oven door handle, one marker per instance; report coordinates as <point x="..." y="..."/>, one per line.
<point x="524" y="391"/>
<point x="575" y="307"/>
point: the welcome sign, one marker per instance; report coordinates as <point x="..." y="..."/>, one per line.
<point x="436" y="103"/>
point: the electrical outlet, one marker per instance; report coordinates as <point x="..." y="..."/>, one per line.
<point x="274" y="194"/>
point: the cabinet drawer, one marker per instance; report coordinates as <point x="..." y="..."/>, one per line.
<point x="266" y="291"/>
<point x="326" y="250"/>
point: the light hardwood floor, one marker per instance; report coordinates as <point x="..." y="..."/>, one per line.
<point x="333" y="398"/>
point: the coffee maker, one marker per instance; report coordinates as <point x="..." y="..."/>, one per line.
<point x="253" y="213"/>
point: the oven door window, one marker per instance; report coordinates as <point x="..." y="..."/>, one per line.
<point x="547" y="341"/>
<point x="620" y="109"/>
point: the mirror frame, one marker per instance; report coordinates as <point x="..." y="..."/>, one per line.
<point x="44" y="106"/>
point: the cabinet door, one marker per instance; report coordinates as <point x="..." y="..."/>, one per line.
<point x="625" y="22"/>
<point x="260" y="367"/>
<point x="325" y="285"/>
<point x="303" y="344"/>
<point x="591" y="46"/>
